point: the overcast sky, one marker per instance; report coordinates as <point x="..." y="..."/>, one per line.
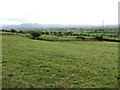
<point x="59" y="11"/>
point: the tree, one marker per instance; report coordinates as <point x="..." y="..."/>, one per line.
<point x="13" y="30"/>
<point x="100" y="38"/>
<point x="46" y="33"/>
<point x="23" y="32"/>
<point x="35" y="34"/>
<point x="70" y="33"/>
<point x="59" y="34"/>
<point x="55" y="33"/>
<point x="78" y="37"/>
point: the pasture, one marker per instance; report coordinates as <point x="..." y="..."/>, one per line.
<point x="31" y="63"/>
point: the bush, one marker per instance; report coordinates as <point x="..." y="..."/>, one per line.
<point x="78" y="37"/>
<point x="100" y="38"/>
<point x="22" y="32"/>
<point x="35" y="34"/>
<point x="13" y="30"/>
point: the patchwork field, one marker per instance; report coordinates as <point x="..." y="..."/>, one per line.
<point x="30" y="63"/>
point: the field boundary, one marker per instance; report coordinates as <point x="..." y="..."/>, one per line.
<point x="111" y="40"/>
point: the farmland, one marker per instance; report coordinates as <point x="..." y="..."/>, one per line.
<point x="29" y="63"/>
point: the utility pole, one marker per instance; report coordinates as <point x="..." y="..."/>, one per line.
<point x="103" y="27"/>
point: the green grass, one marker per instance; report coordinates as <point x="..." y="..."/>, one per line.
<point x="54" y="37"/>
<point x="44" y="64"/>
<point x="5" y="32"/>
<point x="105" y="35"/>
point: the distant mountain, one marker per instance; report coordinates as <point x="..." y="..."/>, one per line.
<point x="35" y="26"/>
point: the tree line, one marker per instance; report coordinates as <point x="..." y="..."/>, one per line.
<point x="35" y="34"/>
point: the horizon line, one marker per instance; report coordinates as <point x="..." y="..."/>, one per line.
<point x="59" y="24"/>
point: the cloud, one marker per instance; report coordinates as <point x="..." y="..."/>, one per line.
<point x="13" y="19"/>
<point x="16" y="21"/>
<point x="59" y="11"/>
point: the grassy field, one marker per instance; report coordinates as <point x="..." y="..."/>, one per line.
<point x="54" y="37"/>
<point x="44" y="64"/>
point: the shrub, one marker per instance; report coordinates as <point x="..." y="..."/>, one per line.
<point x="78" y="37"/>
<point x="13" y="30"/>
<point x="22" y="32"/>
<point x="35" y="34"/>
<point x="100" y="38"/>
<point x="59" y="34"/>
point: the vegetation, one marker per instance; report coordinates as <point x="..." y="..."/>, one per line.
<point x="13" y="30"/>
<point x="35" y="34"/>
<point x="109" y="34"/>
<point x="41" y="64"/>
<point x="30" y="61"/>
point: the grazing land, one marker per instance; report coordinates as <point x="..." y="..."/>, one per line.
<point x="31" y="63"/>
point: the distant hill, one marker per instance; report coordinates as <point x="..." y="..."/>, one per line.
<point x="35" y="26"/>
